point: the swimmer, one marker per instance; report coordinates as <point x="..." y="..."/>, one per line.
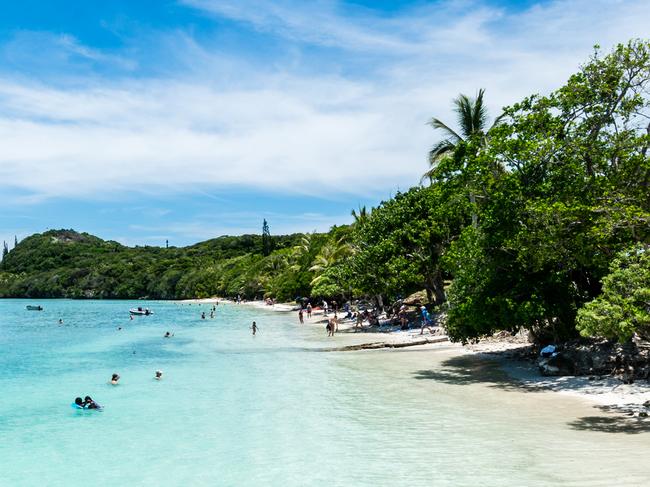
<point x="79" y="402"/>
<point x="254" y="328"/>
<point x="158" y="375"/>
<point x="119" y="327"/>
<point x="60" y="321"/>
<point x="131" y="317"/>
<point x="168" y="335"/>
<point x="90" y="404"/>
<point x="203" y="315"/>
<point x="115" y="378"/>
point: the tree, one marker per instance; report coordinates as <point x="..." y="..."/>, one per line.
<point x="472" y="120"/>
<point x="266" y="239"/>
<point x="5" y="250"/>
<point x="623" y="308"/>
<point x="572" y="193"/>
<point x="15" y="241"/>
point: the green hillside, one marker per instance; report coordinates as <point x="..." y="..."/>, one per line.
<point x="65" y="263"/>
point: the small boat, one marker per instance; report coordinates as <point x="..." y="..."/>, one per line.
<point x="141" y="311"/>
<point x="34" y="308"/>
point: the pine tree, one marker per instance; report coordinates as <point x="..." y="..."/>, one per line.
<point x="5" y="249"/>
<point x="266" y="239"/>
<point x="15" y="241"/>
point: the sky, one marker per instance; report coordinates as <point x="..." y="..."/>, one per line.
<point x="182" y="120"/>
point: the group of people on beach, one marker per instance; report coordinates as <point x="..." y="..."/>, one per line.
<point x="372" y="316"/>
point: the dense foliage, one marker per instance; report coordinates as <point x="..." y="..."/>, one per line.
<point x="623" y="308"/>
<point x="64" y="263"/>
<point x="529" y="218"/>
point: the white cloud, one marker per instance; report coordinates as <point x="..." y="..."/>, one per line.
<point x="282" y="127"/>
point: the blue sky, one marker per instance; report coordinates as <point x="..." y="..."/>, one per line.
<point x="148" y="120"/>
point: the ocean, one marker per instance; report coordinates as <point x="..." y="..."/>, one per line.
<point x="234" y="409"/>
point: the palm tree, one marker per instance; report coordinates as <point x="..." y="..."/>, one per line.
<point x="472" y="119"/>
<point x="361" y="216"/>
<point x="330" y="254"/>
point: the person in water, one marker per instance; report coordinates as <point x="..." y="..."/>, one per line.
<point x="79" y="402"/>
<point x="115" y="378"/>
<point x="158" y="375"/>
<point x="300" y="316"/>
<point x="60" y="321"/>
<point x="254" y="328"/>
<point x="90" y="404"/>
<point x="203" y="315"/>
<point x="168" y="335"/>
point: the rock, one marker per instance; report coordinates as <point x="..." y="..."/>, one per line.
<point x="643" y="414"/>
<point x="647" y="404"/>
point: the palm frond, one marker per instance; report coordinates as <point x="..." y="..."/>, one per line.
<point x="438" y="124"/>
<point x="479" y="113"/>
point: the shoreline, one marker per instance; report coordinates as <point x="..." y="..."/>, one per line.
<point x="605" y="393"/>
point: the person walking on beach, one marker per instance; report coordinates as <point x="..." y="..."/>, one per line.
<point x="324" y="308"/>
<point x="254" y="328"/>
<point x="308" y="310"/>
<point x="426" y="321"/>
<point x="300" y="317"/>
<point x="329" y="328"/>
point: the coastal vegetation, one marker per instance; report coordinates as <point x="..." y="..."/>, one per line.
<point x="539" y="220"/>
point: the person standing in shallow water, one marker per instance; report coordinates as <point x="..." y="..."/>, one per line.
<point x="254" y="328"/>
<point x="300" y="317"/>
<point x="308" y="310"/>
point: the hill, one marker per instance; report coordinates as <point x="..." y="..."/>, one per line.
<point x="69" y="264"/>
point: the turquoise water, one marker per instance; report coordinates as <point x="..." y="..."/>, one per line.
<point x="238" y="410"/>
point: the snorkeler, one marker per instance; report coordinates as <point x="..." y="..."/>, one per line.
<point x="115" y="378"/>
<point x="158" y="375"/>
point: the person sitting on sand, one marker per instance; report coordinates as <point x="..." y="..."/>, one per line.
<point x="403" y="318"/>
<point x="158" y="375"/>
<point x="114" y="379"/>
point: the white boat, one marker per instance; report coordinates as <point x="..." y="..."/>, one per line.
<point x="141" y="311"/>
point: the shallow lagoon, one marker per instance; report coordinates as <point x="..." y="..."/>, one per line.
<point x="238" y="410"/>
